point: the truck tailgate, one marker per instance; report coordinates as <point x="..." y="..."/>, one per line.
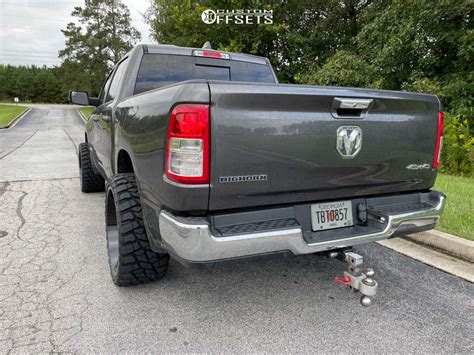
<point x="277" y="144"/>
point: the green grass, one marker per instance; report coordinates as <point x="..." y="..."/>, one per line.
<point x="86" y="111"/>
<point x="9" y="112"/>
<point x="458" y="215"/>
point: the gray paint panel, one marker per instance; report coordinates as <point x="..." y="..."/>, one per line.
<point x="143" y="126"/>
<point x="288" y="133"/>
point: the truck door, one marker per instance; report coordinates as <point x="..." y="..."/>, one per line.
<point x="92" y="123"/>
<point x="105" y="120"/>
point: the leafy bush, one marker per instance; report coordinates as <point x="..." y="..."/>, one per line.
<point x="458" y="96"/>
<point x="424" y="85"/>
<point x="458" y="144"/>
<point x="342" y="69"/>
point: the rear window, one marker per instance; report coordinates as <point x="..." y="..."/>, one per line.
<point x="245" y="71"/>
<point x="157" y="70"/>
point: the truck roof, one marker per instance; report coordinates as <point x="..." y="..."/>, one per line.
<point x="188" y="51"/>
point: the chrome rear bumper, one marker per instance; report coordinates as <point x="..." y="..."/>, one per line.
<point x="192" y="239"/>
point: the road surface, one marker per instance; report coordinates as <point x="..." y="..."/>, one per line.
<point x="56" y="293"/>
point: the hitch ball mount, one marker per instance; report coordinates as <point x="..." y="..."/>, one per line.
<point x="356" y="279"/>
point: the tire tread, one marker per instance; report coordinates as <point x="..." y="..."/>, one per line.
<point x="90" y="181"/>
<point x="137" y="263"/>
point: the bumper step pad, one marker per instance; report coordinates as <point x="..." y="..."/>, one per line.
<point x="256" y="227"/>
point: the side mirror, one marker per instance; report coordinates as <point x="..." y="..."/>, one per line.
<point x="79" y="98"/>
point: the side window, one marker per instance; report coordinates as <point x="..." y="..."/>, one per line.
<point x="105" y="88"/>
<point x="116" y="80"/>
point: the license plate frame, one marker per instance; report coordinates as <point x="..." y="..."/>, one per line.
<point x="331" y="215"/>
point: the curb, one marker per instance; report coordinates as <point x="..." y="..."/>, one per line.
<point x="81" y="115"/>
<point x="446" y="243"/>
<point x="431" y="257"/>
<point x="16" y="119"/>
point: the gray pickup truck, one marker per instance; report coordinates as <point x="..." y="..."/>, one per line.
<point x="205" y="157"/>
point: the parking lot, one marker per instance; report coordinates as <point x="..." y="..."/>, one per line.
<point x="56" y="293"/>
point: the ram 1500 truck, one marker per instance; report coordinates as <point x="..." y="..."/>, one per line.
<point x="207" y="158"/>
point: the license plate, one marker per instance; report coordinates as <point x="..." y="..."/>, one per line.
<point x="329" y="215"/>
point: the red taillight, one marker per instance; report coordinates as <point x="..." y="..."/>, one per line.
<point x="439" y="141"/>
<point x="211" y="54"/>
<point x="187" y="146"/>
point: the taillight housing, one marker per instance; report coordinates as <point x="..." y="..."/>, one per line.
<point x="187" y="146"/>
<point x="439" y="141"/>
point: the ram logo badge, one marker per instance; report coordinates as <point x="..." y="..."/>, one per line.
<point x="348" y="141"/>
<point x="243" y="178"/>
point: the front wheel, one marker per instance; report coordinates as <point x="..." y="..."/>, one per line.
<point x="90" y="181"/>
<point x="131" y="259"/>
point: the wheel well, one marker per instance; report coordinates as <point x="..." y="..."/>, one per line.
<point x="124" y="163"/>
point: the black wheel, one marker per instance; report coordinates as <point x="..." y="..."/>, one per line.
<point x="90" y="181"/>
<point x="131" y="259"/>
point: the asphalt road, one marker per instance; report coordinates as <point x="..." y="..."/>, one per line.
<point x="56" y="293"/>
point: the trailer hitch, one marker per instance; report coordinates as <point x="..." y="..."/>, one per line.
<point x="356" y="279"/>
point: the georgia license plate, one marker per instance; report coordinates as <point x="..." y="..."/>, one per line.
<point x="329" y="215"/>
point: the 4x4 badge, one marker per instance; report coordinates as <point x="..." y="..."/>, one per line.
<point x="349" y="141"/>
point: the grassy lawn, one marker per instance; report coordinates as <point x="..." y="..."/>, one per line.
<point x="9" y="112"/>
<point x="458" y="215"/>
<point x="86" y="111"/>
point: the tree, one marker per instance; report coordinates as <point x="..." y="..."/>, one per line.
<point x="408" y="40"/>
<point x="104" y="34"/>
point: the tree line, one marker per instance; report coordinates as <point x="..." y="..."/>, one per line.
<point x="94" y="43"/>
<point x="416" y="45"/>
<point x="31" y="84"/>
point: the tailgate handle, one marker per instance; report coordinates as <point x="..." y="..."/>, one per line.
<point x="358" y="104"/>
<point x="350" y="107"/>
